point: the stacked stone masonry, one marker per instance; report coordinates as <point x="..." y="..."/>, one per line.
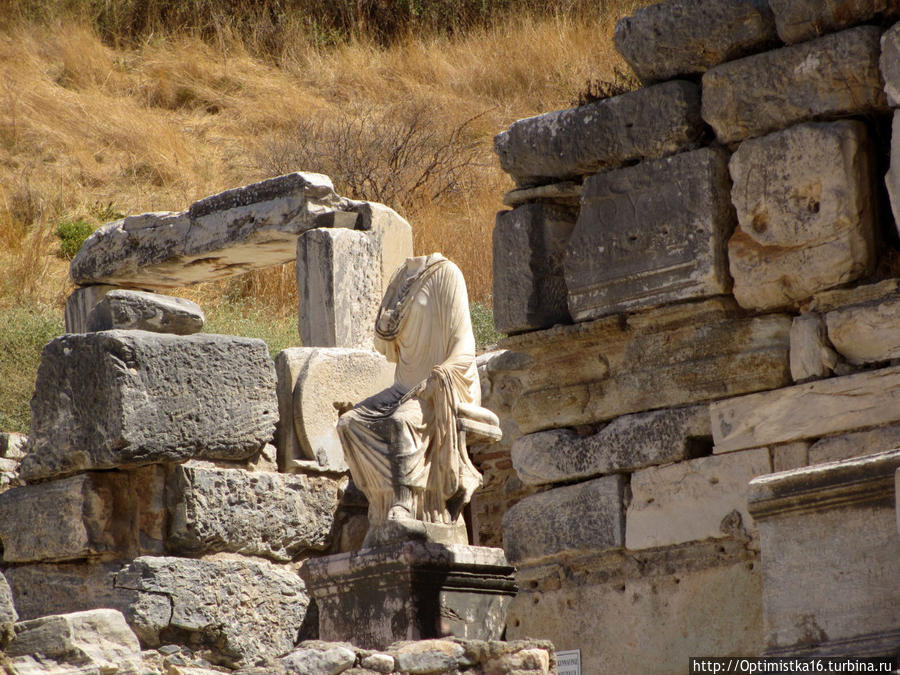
<point x="733" y="323"/>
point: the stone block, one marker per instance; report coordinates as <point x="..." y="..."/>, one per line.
<point x="890" y="60"/>
<point x="12" y="445"/>
<point x="138" y="310"/>
<point x="835" y="75"/>
<point x="60" y="588"/>
<point x="566" y="193"/>
<point x="331" y="659"/>
<point x="85" y="516"/>
<point x="854" y="444"/>
<point x="685" y="37"/>
<point x="799" y="20"/>
<point x="529" y="246"/>
<point x="272" y="515"/>
<point x="587" y="516"/>
<point x="866" y="333"/>
<point x="836" y="298"/>
<point x="674" y="602"/>
<point x="410" y="591"/>
<point x="829" y="546"/>
<point x="245" y="610"/>
<point x="96" y="641"/>
<point x="80" y="303"/>
<point x="129" y="398"/>
<point x="644" y="124"/>
<point x="703" y="498"/>
<point x="666" y="357"/>
<point x="811" y="354"/>
<point x="804" y="203"/>
<point x="217" y="237"/>
<point x="892" y="178"/>
<point x="627" y="443"/>
<point x="314" y="386"/>
<point x="810" y="410"/>
<point x="651" y="234"/>
<point x="788" y="456"/>
<point x="8" y="612"/>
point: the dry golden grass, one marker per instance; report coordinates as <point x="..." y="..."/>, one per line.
<point x="88" y="130"/>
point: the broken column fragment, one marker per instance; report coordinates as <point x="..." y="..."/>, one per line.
<point x="124" y="309"/>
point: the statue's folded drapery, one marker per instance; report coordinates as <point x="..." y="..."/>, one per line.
<point x="401" y="444"/>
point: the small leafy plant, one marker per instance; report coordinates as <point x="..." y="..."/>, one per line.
<point x="72" y="234"/>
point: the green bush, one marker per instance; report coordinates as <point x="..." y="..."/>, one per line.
<point x="72" y="234"/>
<point x="26" y="329"/>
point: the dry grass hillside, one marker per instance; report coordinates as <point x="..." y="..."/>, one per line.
<point x="107" y="109"/>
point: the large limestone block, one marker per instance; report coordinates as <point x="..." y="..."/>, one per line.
<point x="835" y="75"/>
<point x="61" y="588"/>
<point x="866" y="333"/>
<point x="138" y="310"/>
<point x="219" y="236"/>
<point x="703" y="498"/>
<point x="8" y="612"/>
<point x="583" y="517"/>
<point x="126" y="398"/>
<point x="890" y="60"/>
<point x="810" y="410"/>
<point x="892" y="178"/>
<point x="829" y="545"/>
<point x="651" y="234"/>
<point x="273" y="515"/>
<point x="812" y="356"/>
<point x="245" y="610"/>
<point x="675" y="603"/>
<point x="644" y="124"/>
<point x="684" y="37"/>
<point x="78" y="517"/>
<point x="627" y="443"/>
<point x="666" y="357"/>
<point x="96" y="641"/>
<point x="854" y="444"/>
<point x="314" y="385"/>
<point x="799" y="20"/>
<point x="804" y="202"/>
<point x="529" y="246"/>
<point x="80" y="303"/>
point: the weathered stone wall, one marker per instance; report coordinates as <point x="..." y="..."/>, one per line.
<point x="731" y="311"/>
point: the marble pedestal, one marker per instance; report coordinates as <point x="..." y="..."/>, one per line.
<point x="410" y="591"/>
<point x="830" y="558"/>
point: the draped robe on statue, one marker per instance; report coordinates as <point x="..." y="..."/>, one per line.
<point x="405" y="437"/>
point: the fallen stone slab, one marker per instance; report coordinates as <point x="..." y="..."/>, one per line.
<point x="8" y="612"/>
<point x="315" y="385"/>
<point x="40" y="589"/>
<point x="96" y="641"/>
<point x="644" y="124"/>
<point x="129" y="398"/>
<point x="342" y="275"/>
<point x="812" y="356"/>
<point x="866" y="333"/>
<point x="799" y="20"/>
<point x="244" y="610"/>
<point x="123" y="309"/>
<point x="686" y="37"/>
<point x="566" y="193"/>
<point x="219" y="236"/>
<point x="272" y="515"/>
<point x="810" y="410"/>
<point x="836" y="298"/>
<point x="890" y="60"/>
<point x="651" y="234"/>
<point x="835" y="75"/>
<point x="828" y="536"/>
<point x="588" y="516"/>
<point x="627" y="443"/>
<point x="703" y="498"/>
<point x="805" y="212"/>
<point x="529" y="245"/>
<point x="854" y="444"/>
<point x="661" y="358"/>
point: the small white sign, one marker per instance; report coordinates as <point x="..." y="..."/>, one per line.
<point x="569" y="662"/>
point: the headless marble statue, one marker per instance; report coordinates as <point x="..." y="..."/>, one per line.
<point x="402" y="444"/>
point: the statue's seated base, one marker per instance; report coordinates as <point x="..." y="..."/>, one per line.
<point x="398" y="531"/>
<point x="411" y="591"/>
